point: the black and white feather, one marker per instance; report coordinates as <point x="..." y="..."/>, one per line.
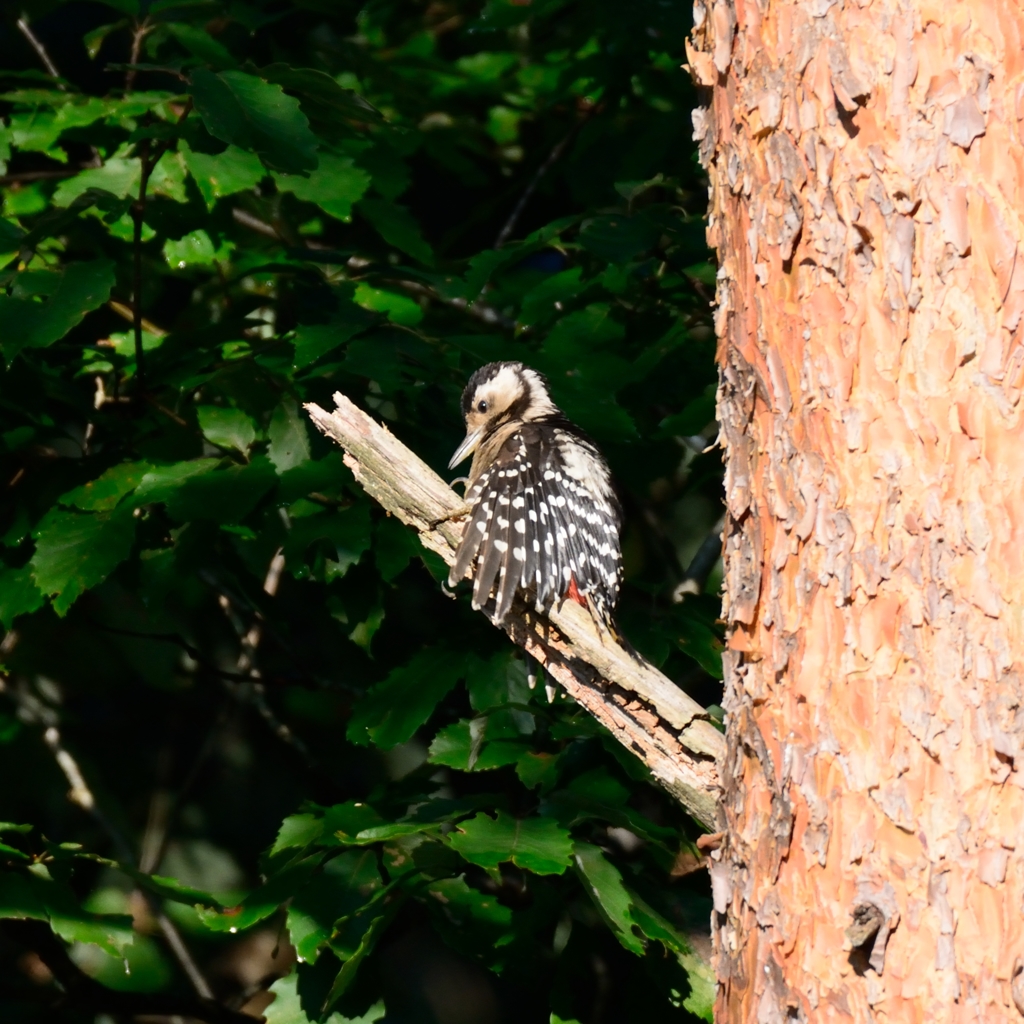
<point x="545" y="520"/>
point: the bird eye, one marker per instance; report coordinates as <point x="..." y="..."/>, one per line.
<point x="481" y="407"/>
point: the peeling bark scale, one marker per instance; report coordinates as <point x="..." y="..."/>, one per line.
<point x="867" y="167"/>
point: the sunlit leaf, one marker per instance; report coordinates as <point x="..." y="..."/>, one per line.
<point x="539" y="845"/>
<point x="245" y="111"/>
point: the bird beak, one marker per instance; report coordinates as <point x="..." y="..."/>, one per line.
<point x="468" y="446"/>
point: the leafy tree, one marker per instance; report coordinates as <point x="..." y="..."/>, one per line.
<point x="276" y="730"/>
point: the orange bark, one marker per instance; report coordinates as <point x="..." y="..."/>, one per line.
<point x="867" y="169"/>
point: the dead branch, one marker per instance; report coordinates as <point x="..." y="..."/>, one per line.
<point x="643" y="709"/>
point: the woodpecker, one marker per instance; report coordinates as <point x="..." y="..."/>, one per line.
<point x="544" y="518"/>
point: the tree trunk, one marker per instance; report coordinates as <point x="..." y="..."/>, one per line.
<point x="866" y="165"/>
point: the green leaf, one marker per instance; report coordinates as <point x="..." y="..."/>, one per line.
<point x="340" y="888"/>
<point x="539" y="845"/>
<point x="345" y="821"/>
<point x="655" y="926"/>
<point x="315" y="340"/>
<point x="322" y="98"/>
<point x="618" y="238"/>
<point x="400" y="309"/>
<point x="393" y="547"/>
<point x="703" y="987"/>
<point x="472" y="922"/>
<point x="202" y="45"/>
<point x="391" y="712"/>
<point x="245" y="111"/>
<point x="19" y="594"/>
<point x="94" y="40"/>
<point x="82" y="288"/>
<point x="119" y="176"/>
<point x="334" y="186"/>
<point x="479" y="744"/>
<point x="225" y="496"/>
<point x="20" y="897"/>
<point x="345" y="531"/>
<point x="289" y="442"/>
<point x="347" y="974"/>
<point x="196" y="249"/>
<point x="234" y="170"/>
<point x="700" y="642"/>
<point x="76" y="551"/>
<point x="229" y="428"/>
<point x="287" y="1007"/>
<point x="397" y="226"/>
<point x="604" y="884"/>
<point x="262" y="902"/>
<point x="298" y="830"/>
<point x="161" y="482"/>
<point x="536" y="768"/>
<point x="103" y="493"/>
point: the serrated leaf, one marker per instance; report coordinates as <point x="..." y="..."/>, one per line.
<point x="119" y="176"/>
<point x="19" y="594"/>
<point x="76" y="551"/>
<point x="343" y="822"/>
<point x="397" y="226"/>
<point x="245" y="111"/>
<point x="224" y="174"/>
<point x="287" y="1007"/>
<point x="399" y="308"/>
<point x="604" y="884"/>
<point x="315" y="340"/>
<point x="334" y="186"/>
<point x="108" y="488"/>
<point x="202" y="45"/>
<point x="162" y="482"/>
<point x="391" y="712"/>
<point x="226" y="495"/>
<point x="539" y="845"/>
<point x="370" y="936"/>
<point x="321" y="96"/>
<point x="82" y="288"/>
<point x="344" y="884"/>
<point x="289" y="442"/>
<point x="262" y="902"/>
<point x="297" y="830"/>
<point x="230" y="428"/>
<point x="347" y="531"/>
<point x="472" y="922"/>
<point x="196" y="249"/>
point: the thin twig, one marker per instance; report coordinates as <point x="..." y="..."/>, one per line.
<point x="703" y="562"/>
<point x="139" y="32"/>
<point x="149" y="156"/>
<point x="14" y="179"/>
<point x="552" y="158"/>
<point x="642" y="708"/>
<point x="85" y="994"/>
<point x="51" y="68"/>
<point x="246" y="666"/>
<point x="81" y="795"/>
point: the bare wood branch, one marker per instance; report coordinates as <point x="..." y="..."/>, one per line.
<point x="643" y="709"/>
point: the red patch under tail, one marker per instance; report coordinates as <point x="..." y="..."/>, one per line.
<point x="574" y="594"/>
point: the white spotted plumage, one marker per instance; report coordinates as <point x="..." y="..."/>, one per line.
<point x="545" y="519"/>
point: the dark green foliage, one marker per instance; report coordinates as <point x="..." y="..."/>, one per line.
<point x="208" y="618"/>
